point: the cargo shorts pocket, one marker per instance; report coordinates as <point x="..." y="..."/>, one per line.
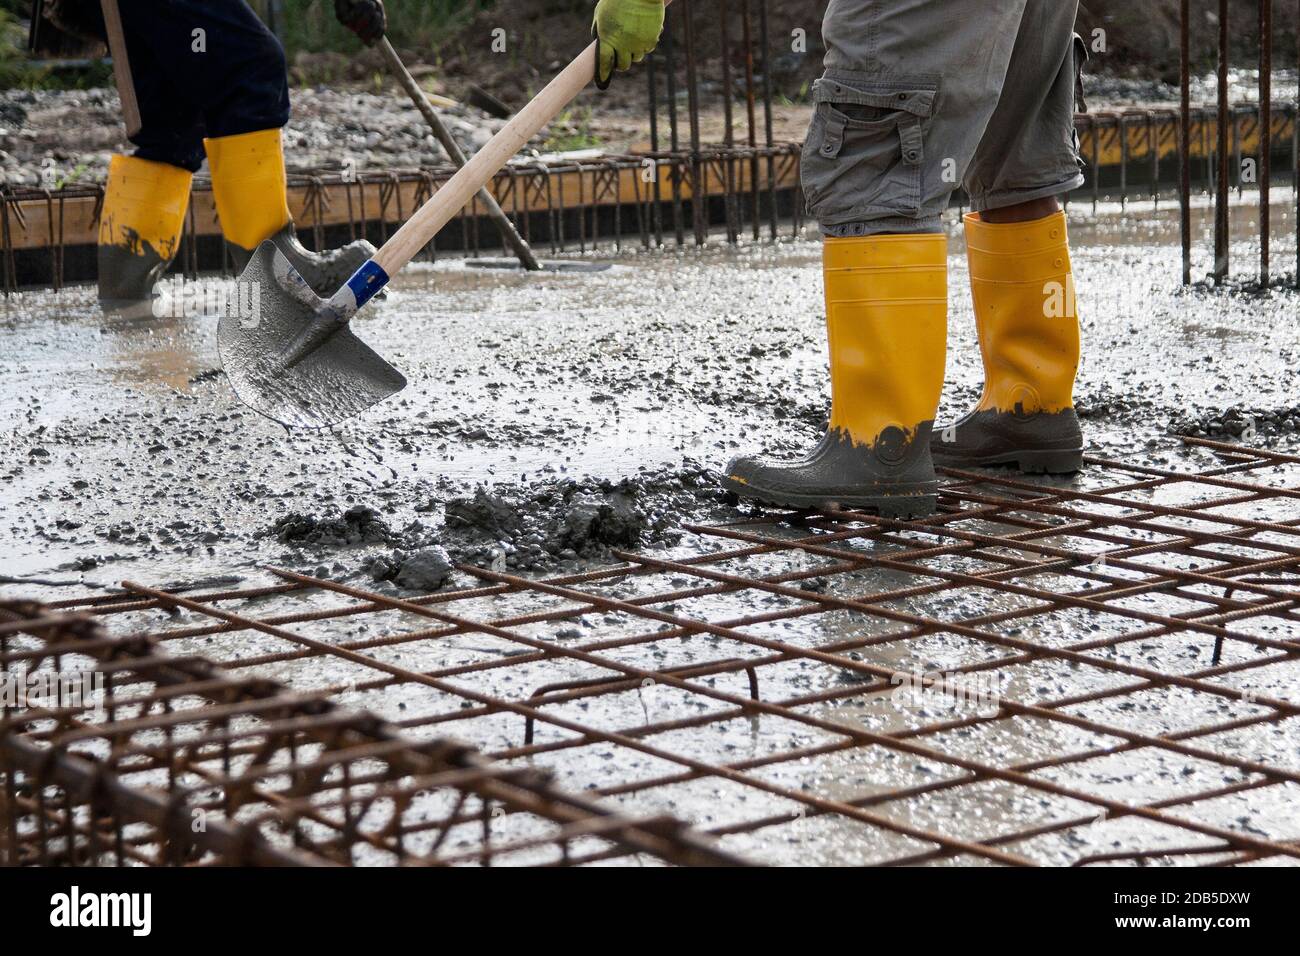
<point x="1081" y="58"/>
<point x="865" y="152"/>
<point x="1079" y="102"/>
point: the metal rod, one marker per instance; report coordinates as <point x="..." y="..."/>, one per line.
<point x="1096" y="164"/>
<point x="1123" y="161"/>
<point x="10" y="266"/>
<point x="1265" y="135"/>
<point x="1153" y="144"/>
<point x="1222" y="221"/>
<point x="1237" y="165"/>
<point x="656" y="214"/>
<point x="699" y="193"/>
<point x="765" y="38"/>
<point x="750" y="113"/>
<point x="728" y="91"/>
<point x="729" y="120"/>
<point x="674" y="132"/>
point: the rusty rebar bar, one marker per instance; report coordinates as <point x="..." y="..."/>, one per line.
<point x="1222" y="206"/>
<point x="1266" y="137"/>
<point x="1185" y="139"/>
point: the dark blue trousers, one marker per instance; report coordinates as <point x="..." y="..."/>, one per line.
<point x="201" y="68"/>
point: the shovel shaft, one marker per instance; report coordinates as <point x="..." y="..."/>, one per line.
<point x="486" y="163"/>
<point x="473" y="176"/>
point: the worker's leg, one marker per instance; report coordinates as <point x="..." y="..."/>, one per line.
<point x="908" y="91"/>
<point x="229" y="70"/>
<point x="140" y="225"/>
<point x="235" y="70"/>
<point x="1019" y="255"/>
<point x="886" y="318"/>
<point x="1023" y="212"/>
<point x="148" y="193"/>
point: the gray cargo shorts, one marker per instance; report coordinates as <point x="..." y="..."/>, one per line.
<point x="921" y="95"/>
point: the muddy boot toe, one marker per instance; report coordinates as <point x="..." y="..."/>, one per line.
<point x="324" y="272"/>
<point x="1040" y="444"/>
<point x="895" y="480"/>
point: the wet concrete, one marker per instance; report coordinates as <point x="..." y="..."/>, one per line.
<point x="127" y="454"/>
<point x="551" y="417"/>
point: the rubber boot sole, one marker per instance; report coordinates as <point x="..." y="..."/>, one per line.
<point x="1027" y="462"/>
<point x="902" y="507"/>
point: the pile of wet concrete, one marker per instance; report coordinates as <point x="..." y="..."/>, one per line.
<point x="536" y="527"/>
<point x="1249" y="425"/>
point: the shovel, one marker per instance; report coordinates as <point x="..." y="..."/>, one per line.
<point x="293" y="357"/>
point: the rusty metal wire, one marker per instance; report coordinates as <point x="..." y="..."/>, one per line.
<point x="1227" y="158"/>
<point x="1040" y="674"/>
<point x="178" y="762"/>
<point x="570" y="205"/>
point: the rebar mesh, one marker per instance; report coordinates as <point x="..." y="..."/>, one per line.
<point x="1043" y="673"/>
<point x="171" y="760"/>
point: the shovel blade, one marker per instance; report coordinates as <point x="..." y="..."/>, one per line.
<point x="341" y="378"/>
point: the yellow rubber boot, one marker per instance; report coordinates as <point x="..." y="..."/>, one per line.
<point x="140" y="226"/>
<point x="249" y="186"/>
<point x="1028" y="325"/>
<point x="887" y="322"/>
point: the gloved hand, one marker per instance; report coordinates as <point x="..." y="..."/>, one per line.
<point x="627" y="31"/>
<point x="365" y="18"/>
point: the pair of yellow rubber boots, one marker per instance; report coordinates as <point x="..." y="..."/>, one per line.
<point x="144" y="213"/>
<point x="887" y="321"/>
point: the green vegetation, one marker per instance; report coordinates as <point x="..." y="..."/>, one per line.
<point x="13" y="61"/>
<point x="309" y="25"/>
<point x="18" y="69"/>
<point x="575" y="132"/>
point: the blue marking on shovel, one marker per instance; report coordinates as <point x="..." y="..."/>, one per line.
<point x="366" y="281"/>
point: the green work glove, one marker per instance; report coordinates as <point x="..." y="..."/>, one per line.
<point x="627" y="31"/>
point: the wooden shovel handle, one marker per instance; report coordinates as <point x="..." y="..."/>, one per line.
<point x="121" y="66"/>
<point x="494" y="211"/>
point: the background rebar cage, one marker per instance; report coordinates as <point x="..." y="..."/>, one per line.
<point x="1042" y="673"/>
<point x="678" y="187"/>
